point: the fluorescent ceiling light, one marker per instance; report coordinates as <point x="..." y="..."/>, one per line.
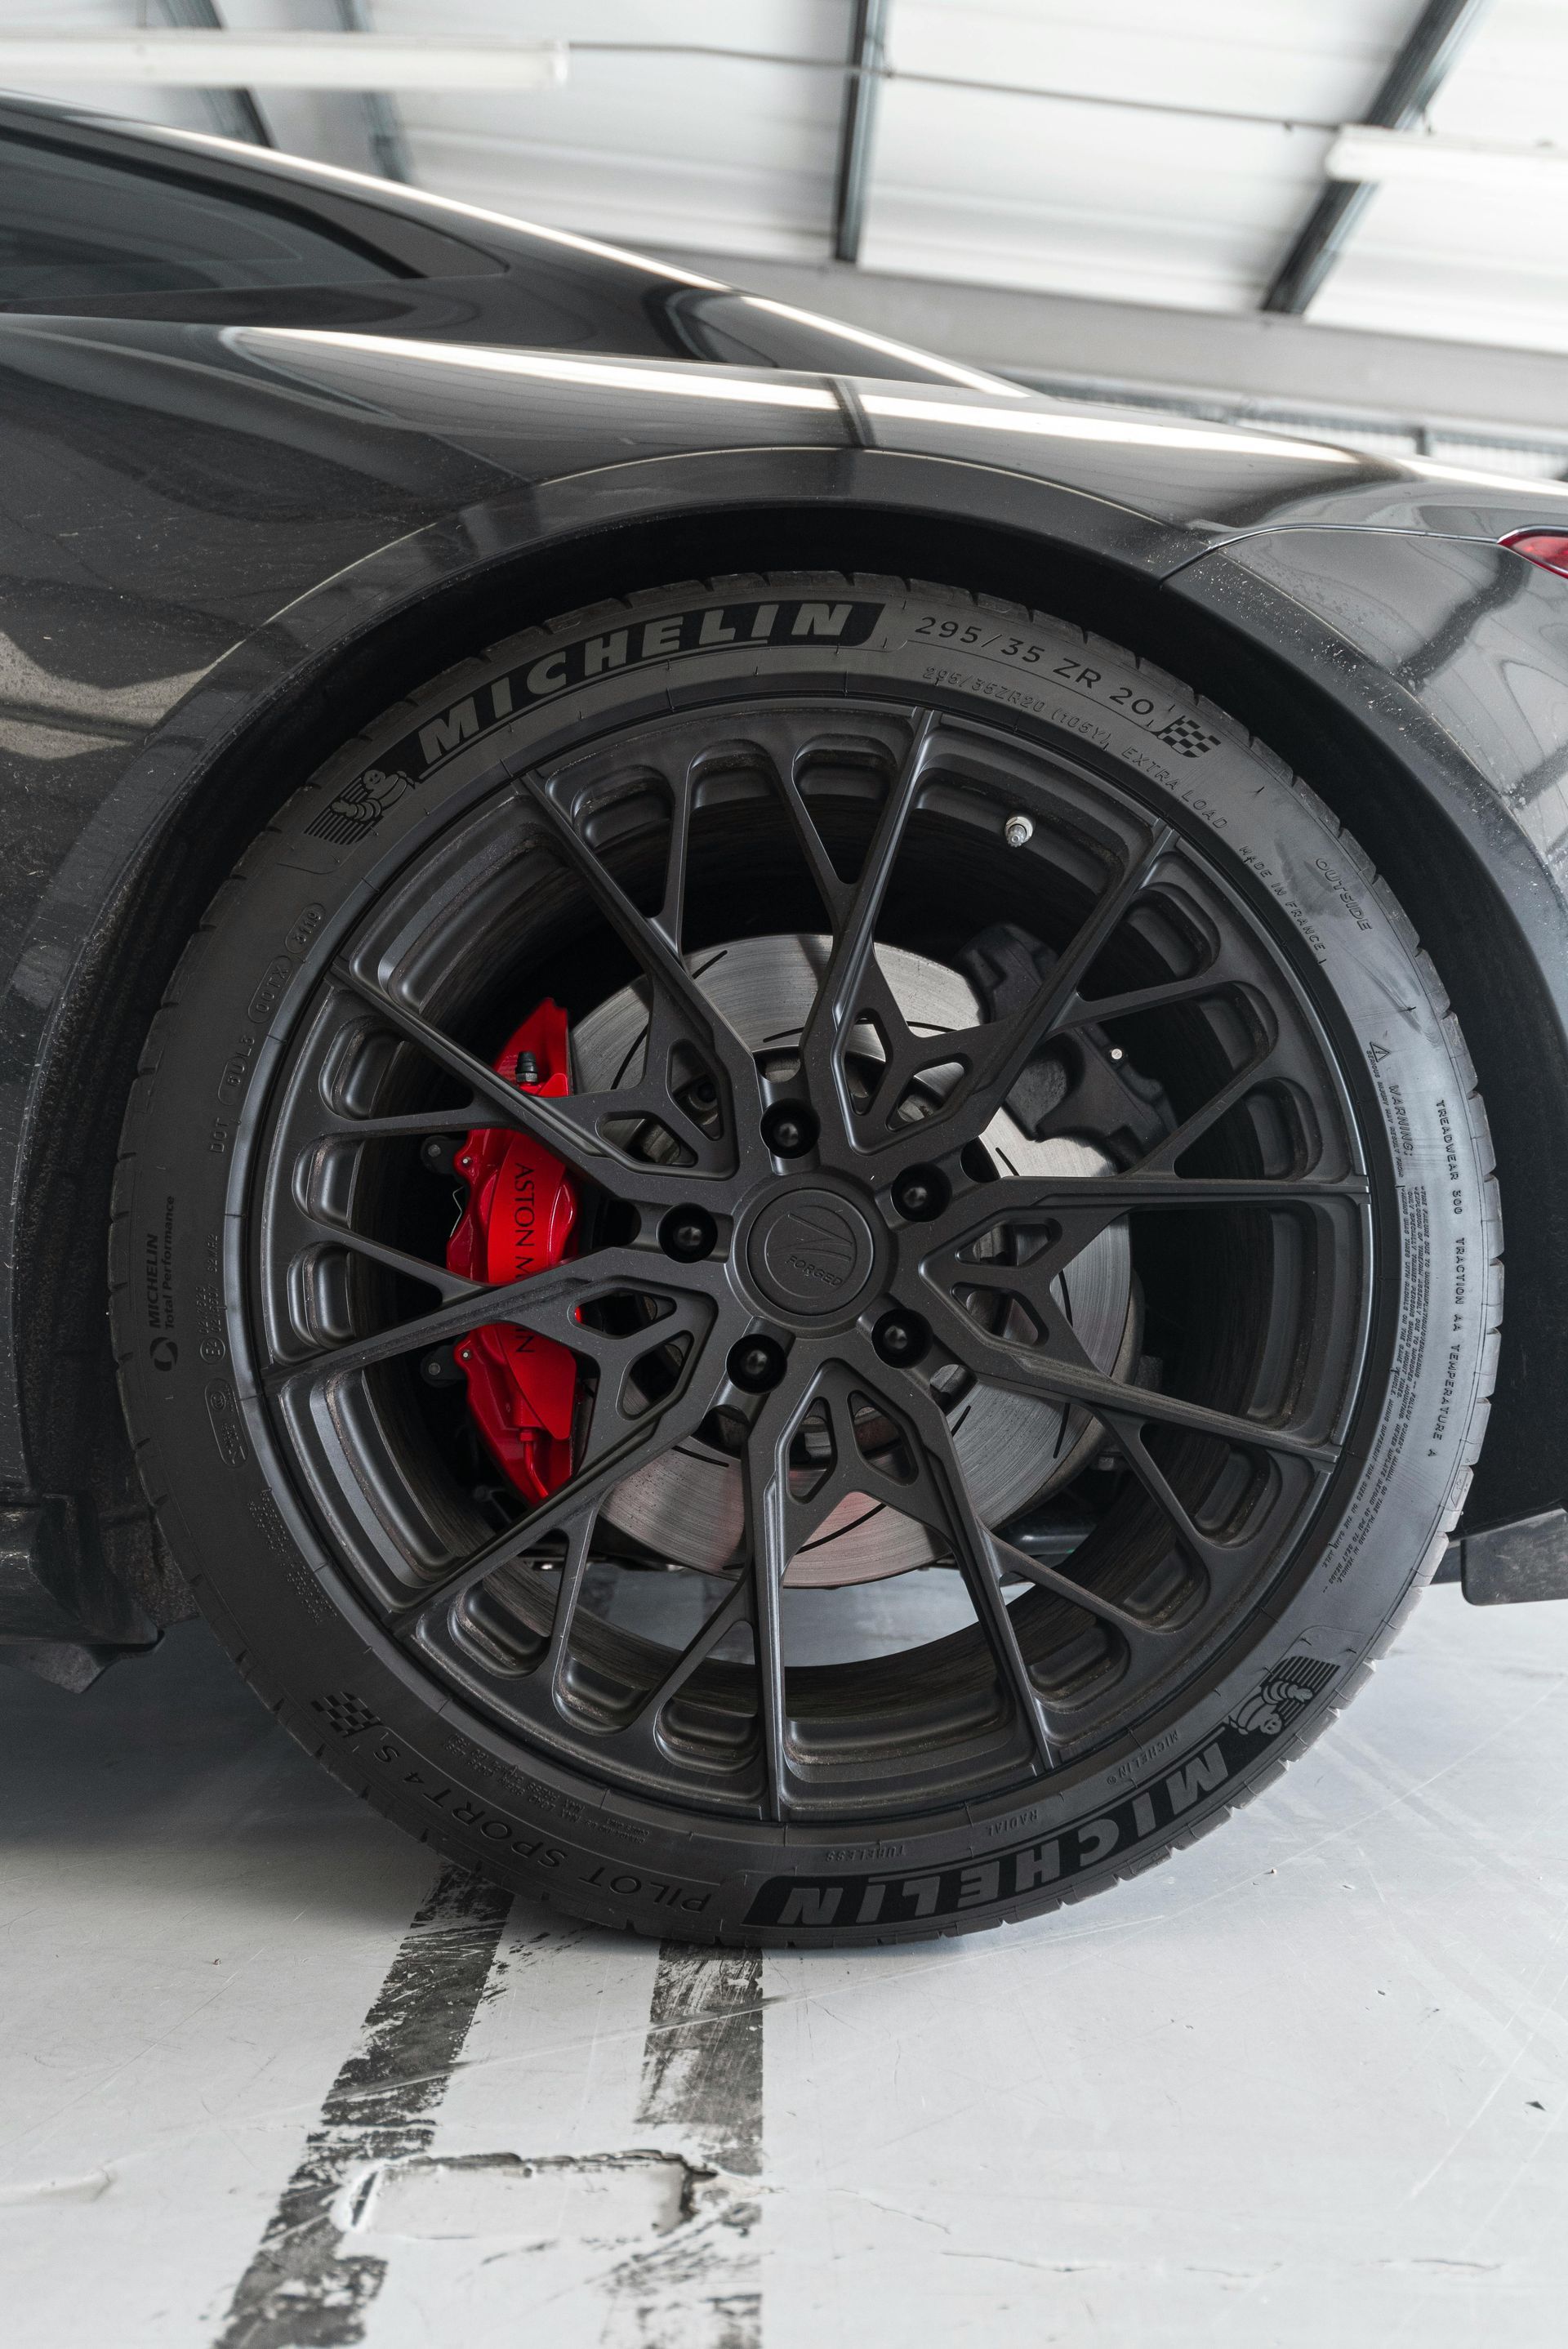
<point x="223" y="60"/>
<point x="1524" y="487"/>
<point x="1363" y="153"/>
<point x="680" y="381"/>
<point x="1046" y="425"/>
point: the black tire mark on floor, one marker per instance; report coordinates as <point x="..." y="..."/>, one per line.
<point x="298" y="2291"/>
<point x="702" y="2066"/>
<point x="702" y="2078"/>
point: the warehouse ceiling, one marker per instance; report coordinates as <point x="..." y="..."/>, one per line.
<point x="1136" y="152"/>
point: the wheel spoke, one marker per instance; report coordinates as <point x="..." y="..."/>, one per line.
<point x="1075" y="1209"/>
<point x="1124" y="1432"/>
<point x="851" y="970"/>
<point x="1057" y="1364"/>
<point x="545" y="1698"/>
<point x="646" y="1439"/>
<point x="1124" y="1411"/>
<point x="1225" y="1560"/>
<point x="733" y="1610"/>
<point x="837" y="894"/>
<point x="1012" y="1560"/>
<point x="1222" y="1560"/>
<point x="1193" y="1127"/>
<point x="450" y="1287"/>
<point x="927" y="1485"/>
<point x="1003" y="1045"/>
<point x="1068" y="1376"/>
<point x="670" y="920"/>
<point x="768" y="1549"/>
<point x="1026" y="1195"/>
<point x="946" y="1506"/>
<point x="991" y="1054"/>
<point x="417" y="1335"/>
<point x="411" y="1125"/>
<point x="547" y="1120"/>
<point x="680" y="1013"/>
<point x="1064" y="1371"/>
<point x="579" y="1532"/>
<point x="846" y="903"/>
<point x="1158" y="995"/>
<point x="547" y="1302"/>
<point x="567" y="1124"/>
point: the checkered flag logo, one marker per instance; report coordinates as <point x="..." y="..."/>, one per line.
<point x="346" y="1714"/>
<point x="1187" y="737"/>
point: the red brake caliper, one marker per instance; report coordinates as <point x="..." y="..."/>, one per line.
<point x="518" y="1220"/>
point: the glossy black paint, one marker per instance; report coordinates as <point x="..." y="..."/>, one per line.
<point x="226" y="541"/>
<point x="420" y="265"/>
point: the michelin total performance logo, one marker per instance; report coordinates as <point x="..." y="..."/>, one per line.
<point x="1160" y="1806"/>
<point x="359" y="807"/>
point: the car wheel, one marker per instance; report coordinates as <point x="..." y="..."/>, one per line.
<point x="805" y="1259"/>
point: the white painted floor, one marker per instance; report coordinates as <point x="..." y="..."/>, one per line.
<point x="1306" y="2085"/>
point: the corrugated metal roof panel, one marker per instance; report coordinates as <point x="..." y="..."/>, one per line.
<point x="1176" y="156"/>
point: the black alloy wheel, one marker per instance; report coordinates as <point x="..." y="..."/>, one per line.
<point x="984" y="1300"/>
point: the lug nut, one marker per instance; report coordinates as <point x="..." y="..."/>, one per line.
<point x="920" y="1193"/>
<point x="756" y="1364"/>
<point x="788" y="1129"/>
<point x="687" y="1233"/>
<point x="901" y="1338"/>
<point x="1018" y="831"/>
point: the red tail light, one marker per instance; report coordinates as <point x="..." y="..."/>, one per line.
<point x="1547" y="547"/>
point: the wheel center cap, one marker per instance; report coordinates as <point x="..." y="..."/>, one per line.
<point x="811" y="1252"/>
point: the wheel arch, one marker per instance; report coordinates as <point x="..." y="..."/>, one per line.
<point x="1286" y="682"/>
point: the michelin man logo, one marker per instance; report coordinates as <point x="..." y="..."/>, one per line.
<point x="360" y="806"/>
<point x="1275" y="1703"/>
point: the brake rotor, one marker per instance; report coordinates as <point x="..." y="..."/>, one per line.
<point x="686" y="1506"/>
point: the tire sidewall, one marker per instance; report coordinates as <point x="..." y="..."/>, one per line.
<point x="268" y="1582"/>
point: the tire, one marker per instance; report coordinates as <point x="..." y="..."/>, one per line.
<point x="1235" y="1615"/>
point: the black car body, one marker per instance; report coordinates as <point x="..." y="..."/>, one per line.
<point x="294" y="427"/>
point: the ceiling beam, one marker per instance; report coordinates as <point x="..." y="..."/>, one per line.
<point x="1241" y="360"/>
<point x="861" y="85"/>
<point x="235" y="112"/>
<point x="384" y="132"/>
<point x="1408" y="88"/>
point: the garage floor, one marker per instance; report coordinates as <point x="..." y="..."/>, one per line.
<point x="272" y="2076"/>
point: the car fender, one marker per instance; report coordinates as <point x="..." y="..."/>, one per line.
<point x="443" y="517"/>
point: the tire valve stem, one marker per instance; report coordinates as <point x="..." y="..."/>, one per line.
<point x="1018" y="831"/>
